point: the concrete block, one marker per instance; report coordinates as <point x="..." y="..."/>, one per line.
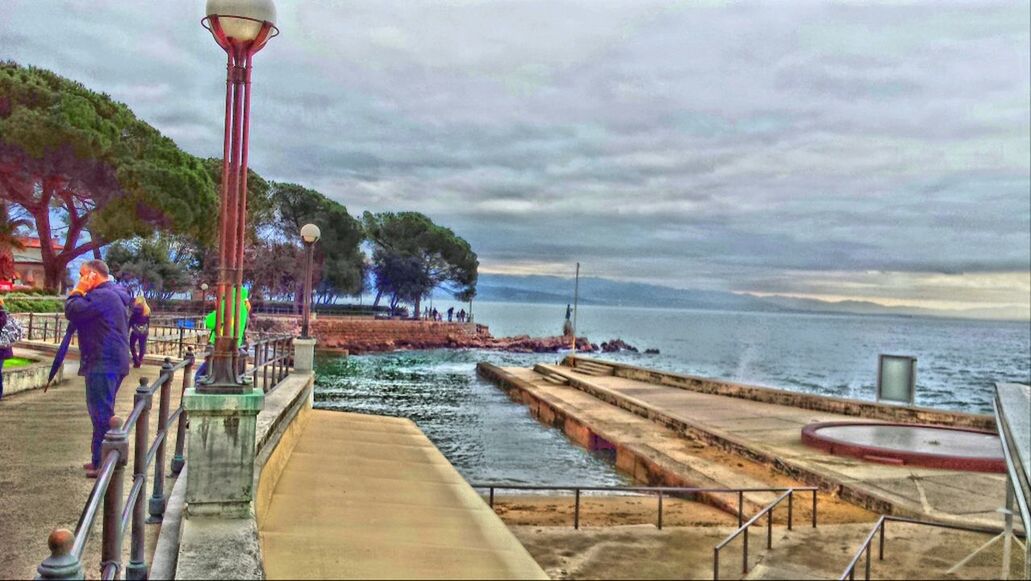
<point x="221" y="452"/>
<point x="304" y="355"/>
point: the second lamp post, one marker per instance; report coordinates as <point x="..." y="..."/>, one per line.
<point x="310" y="234"/>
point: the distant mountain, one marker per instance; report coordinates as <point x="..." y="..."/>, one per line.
<point x="601" y="291"/>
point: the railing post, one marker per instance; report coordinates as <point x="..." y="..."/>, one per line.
<point x="115" y="442"/>
<point x="814" y="508"/>
<point x="46" y="329"/>
<point x="137" y="568"/>
<point x="660" y="511"/>
<point x="744" y="554"/>
<point x="491" y="497"/>
<point x="715" y="564"/>
<point x="61" y="564"/>
<point x="790" y="507"/>
<point x="32" y="319"/>
<point x="178" y="460"/>
<point x="883" y="524"/>
<point x="157" y="499"/>
<point x="576" y="510"/>
<point x="740" y="508"/>
<point x="182" y="335"/>
<point x="869" y="551"/>
<point x="769" y="528"/>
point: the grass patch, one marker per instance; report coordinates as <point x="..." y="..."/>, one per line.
<point x="17" y="362"/>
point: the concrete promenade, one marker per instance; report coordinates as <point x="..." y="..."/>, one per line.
<point x="44" y="440"/>
<point x="371" y="497"/>
<point x="771" y="433"/>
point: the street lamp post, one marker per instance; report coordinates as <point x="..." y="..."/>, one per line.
<point x="310" y="234"/>
<point x="241" y="28"/>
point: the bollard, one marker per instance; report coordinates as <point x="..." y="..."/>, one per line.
<point x="61" y="564"/>
<point x="157" y="499"/>
<point x="659" y="524"/>
<point x="137" y="567"/>
<point x="178" y="460"/>
<point x="115" y="442"/>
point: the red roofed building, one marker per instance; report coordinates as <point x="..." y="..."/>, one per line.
<point x="28" y="264"/>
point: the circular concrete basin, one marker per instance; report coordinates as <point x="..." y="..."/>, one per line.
<point x="910" y="444"/>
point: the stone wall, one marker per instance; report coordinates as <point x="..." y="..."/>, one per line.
<point x="852" y="407"/>
<point x="24" y="378"/>
<point x="370" y="335"/>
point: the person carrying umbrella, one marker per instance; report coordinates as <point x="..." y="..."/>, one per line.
<point x="139" y="328"/>
<point x="99" y="310"/>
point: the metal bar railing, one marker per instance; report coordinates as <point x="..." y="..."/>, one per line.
<point x="106" y="497"/>
<point x="743" y="530"/>
<point x="273" y="359"/>
<point x="879" y="527"/>
<point x="660" y="491"/>
<point x="170" y="340"/>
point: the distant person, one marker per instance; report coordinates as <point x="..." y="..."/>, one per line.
<point x="99" y="309"/>
<point x="461" y="316"/>
<point x="567" y="325"/>
<point x="450" y="313"/>
<point x="139" y="329"/>
<point x="7" y="341"/>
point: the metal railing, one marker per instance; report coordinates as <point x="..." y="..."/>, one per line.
<point x="106" y="497"/>
<point x="273" y="359"/>
<point x="660" y="491"/>
<point x="167" y="340"/>
<point x="46" y="327"/>
<point x="743" y="528"/>
<point x="879" y="527"/>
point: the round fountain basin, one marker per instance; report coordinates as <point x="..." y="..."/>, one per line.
<point x="910" y="444"/>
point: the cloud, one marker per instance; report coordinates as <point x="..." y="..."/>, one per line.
<point x="738" y="147"/>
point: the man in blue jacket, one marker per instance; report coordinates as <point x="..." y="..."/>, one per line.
<point x="99" y="309"/>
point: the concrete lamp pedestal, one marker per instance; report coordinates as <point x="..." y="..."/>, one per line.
<point x="220" y="481"/>
<point x="304" y="354"/>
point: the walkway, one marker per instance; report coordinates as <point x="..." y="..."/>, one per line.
<point x="371" y="497"/>
<point x="774" y="432"/>
<point x="44" y="440"/>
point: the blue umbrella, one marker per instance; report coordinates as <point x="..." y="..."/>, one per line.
<point x="62" y="351"/>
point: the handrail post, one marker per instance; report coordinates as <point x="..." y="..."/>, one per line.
<point x="715" y="564"/>
<point x="769" y="528"/>
<point x="744" y="555"/>
<point x="178" y="460"/>
<point x="790" y="507"/>
<point x="740" y="508"/>
<point x="115" y="442"/>
<point x="157" y="499"/>
<point x="884" y="522"/>
<point x="869" y="551"/>
<point x="137" y="568"/>
<point x="576" y="510"/>
<point x="61" y="564"/>
<point x="182" y="335"/>
<point x="32" y="318"/>
<point x="491" y="497"/>
<point x="814" y="508"/>
<point x="660" y="511"/>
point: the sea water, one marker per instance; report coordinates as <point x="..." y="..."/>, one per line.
<point x="489" y="437"/>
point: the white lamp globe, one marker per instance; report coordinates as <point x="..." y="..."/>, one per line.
<point x="241" y="20"/>
<point x="310" y="233"/>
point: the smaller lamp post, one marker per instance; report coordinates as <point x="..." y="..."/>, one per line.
<point x="310" y="234"/>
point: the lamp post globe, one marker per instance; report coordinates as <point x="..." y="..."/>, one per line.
<point x="310" y="233"/>
<point x="241" y="28"/>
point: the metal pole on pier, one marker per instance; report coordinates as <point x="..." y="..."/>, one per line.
<point x="576" y="300"/>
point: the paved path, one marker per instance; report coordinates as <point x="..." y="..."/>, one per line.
<point x="775" y="432"/>
<point x="371" y="497"/>
<point x="44" y="440"/>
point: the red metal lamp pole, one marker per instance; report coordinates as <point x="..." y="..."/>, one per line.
<point x="225" y="372"/>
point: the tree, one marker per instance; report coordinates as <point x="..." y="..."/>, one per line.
<point x="153" y="266"/>
<point x="412" y="256"/>
<point x="9" y="242"/>
<point x="78" y="162"/>
<point x="339" y="262"/>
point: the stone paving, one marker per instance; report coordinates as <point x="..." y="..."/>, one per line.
<point x="774" y="431"/>
<point x="44" y="440"/>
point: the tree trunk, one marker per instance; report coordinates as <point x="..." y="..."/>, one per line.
<point x="379" y="295"/>
<point x="418" y="307"/>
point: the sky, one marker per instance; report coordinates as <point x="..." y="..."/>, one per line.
<point x="875" y="151"/>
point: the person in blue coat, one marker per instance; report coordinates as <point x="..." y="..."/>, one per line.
<point x="6" y="352"/>
<point x="99" y="309"/>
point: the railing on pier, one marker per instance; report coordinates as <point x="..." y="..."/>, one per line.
<point x="106" y="497"/>
<point x="170" y="340"/>
<point x="273" y="359"/>
<point x="879" y="527"/>
<point x="743" y="529"/>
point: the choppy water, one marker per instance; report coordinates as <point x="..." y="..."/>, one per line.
<point x="488" y="437"/>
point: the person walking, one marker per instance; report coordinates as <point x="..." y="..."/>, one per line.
<point x="99" y="309"/>
<point x="450" y="313"/>
<point x="244" y="314"/>
<point x="139" y="328"/>
<point x="6" y="349"/>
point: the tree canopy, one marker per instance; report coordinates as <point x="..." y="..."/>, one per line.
<point x="157" y="267"/>
<point x="412" y="256"/>
<point x="76" y="157"/>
